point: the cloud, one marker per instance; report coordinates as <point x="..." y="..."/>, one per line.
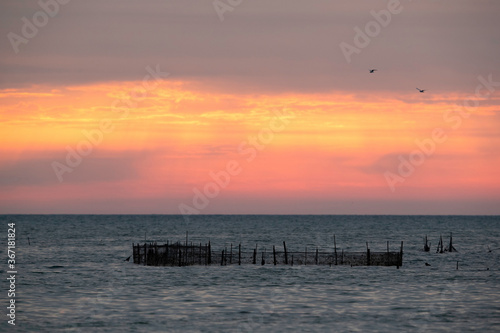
<point x="261" y="46"/>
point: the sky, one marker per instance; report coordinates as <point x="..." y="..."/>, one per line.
<point x="249" y="107"/>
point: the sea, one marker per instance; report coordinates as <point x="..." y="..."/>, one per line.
<point x="72" y="275"/>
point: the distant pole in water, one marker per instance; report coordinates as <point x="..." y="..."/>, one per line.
<point x="335" y="248"/>
<point x="286" y="253"/>
<point x="231" y="255"/>
<point x="401" y="251"/>
<point x="450" y="247"/>
<point x="457" y="264"/>
<point x="209" y="253"/>
<point x="427" y="246"/>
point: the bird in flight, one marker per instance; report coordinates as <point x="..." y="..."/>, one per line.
<point x="372" y="70"/>
<point x="421" y="90"/>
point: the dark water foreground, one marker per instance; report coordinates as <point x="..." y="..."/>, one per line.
<point x="73" y="277"/>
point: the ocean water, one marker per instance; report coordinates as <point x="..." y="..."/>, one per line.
<point x="73" y="277"/>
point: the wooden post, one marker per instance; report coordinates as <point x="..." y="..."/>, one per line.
<point x="209" y="253"/>
<point x="156" y="255"/>
<point x="335" y="248"/>
<point x="231" y="255"/>
<point x="222" y="259"/>
<point x="199" y="256"/>
<point x="451" y="248"/>
<point x="263" y="261"/>
<point x="286" y="254"/>
<point x="274" y="255"/>
<point x="145" y="254"/>
<point x="180" y="257"/>
<point x="292" y="259"/>
<point x="254" y="261"/>
<point x="192" y="254"/>
<point x="367" y="255"/>
<point x="305" y="257"/>
<point x="316" y="256"/>
<point x="166" y="253"/>
<point x="133" y="253"/>
<point x="139" y="258"/>
<point x="401" y="255"/>
<point x="225" y="256"/>
<point x="342" y="259"/>
<point x="239" y="254"/>
<point x="457" y="264"/>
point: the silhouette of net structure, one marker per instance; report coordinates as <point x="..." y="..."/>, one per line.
<point x="183" y="254"/>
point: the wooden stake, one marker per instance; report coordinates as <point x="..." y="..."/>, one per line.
<point x="401" y="255"/>
<point x="166" y="252"/>
<point x="335" y="249"/>
<point x="209" y="253"/>
<point x="286" y="254"/>
<point x="274" y="255"/>
<point x="239" y="254"/>
<point x="387" y="262"/>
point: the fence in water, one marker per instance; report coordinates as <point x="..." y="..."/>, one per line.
<point x="184" y="254"/>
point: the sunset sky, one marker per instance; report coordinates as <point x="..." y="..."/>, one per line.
<point x="250" y="107"/>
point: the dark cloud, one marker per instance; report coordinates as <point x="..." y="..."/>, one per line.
<point x="260" y="46"/>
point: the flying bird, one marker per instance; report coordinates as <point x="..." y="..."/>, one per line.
<point x="421" y="90"/>
<point x="372" y="70"/>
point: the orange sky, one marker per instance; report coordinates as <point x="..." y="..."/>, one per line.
<point x="328" y="148"/>
<point x="274" y="98"/>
